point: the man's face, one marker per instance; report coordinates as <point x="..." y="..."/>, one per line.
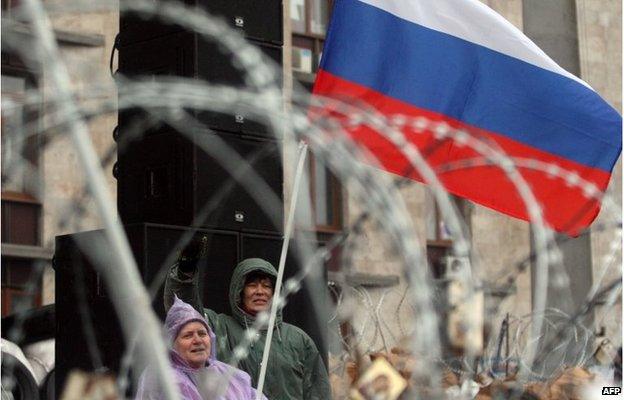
<point x="193" y="344"/>
<point x="257" y="294"/>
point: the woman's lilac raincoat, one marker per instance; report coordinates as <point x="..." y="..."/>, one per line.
<point x="209" y="380"/>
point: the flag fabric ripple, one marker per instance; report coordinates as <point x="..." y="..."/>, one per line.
<point x="459" y="62"/>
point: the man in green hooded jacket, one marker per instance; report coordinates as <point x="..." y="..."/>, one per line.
<point x="295" y="370"/>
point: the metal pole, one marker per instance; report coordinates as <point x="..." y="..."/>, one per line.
<point x="507" y="345"/>
<point x="290" y="222"/>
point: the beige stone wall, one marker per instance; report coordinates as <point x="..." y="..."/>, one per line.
<point x="510" y="9"/>
<point x="600" y="47"/>
<point x="383" y="316"/>
<point x="500" y="242"/>
<point x="63" y="174"/>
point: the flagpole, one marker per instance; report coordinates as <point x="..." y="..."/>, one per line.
<point x="303" y="149"/>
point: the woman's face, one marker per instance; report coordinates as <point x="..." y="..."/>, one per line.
<point x="257" y="294"/>
<point x="193" y="344"/>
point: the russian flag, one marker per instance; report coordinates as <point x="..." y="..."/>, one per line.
<point x="459" y="62"/>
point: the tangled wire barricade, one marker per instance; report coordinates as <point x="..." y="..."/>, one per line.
<point x="360" y="324"/>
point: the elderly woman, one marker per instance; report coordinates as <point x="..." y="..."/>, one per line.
<point x="193" y="358"/>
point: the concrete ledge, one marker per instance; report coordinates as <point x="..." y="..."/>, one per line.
<point x="305" y="77"/>
<point x="364" y="279"/>
<point x="80" y="39"/>
<point x="501" y="291"/>
<point x="25" y="251"/>
<point x="63" y="37"/>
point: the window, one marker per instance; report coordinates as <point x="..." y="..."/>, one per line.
<point x="326" y="194"/>
<point x="9" y="4"/>
<point x="319" y="17"/>
<point x="21" y="285"/>
<point x="439" y="240"/>
<point x="302" y="59"/>
<point x="21" y="211"/>
<point x="19" y="149"/>
<point x="309" y="21"/>
<point x="298" y="15"/>
<point x="20" y="219"/>
<point x="8" y="13"/>
<point x="309" y="17"/>
<point x="436" y="228"/>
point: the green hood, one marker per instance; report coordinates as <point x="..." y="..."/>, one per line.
<point x="238" y="281"/>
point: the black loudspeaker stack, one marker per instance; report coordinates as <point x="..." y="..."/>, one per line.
<point x="169" y="185"/>
<point x="165" y="176"/>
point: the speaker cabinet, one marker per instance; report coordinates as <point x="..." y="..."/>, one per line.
<point x="186" y="55"/>
<point x="258" y="19"/>
<point x="168" y="179"/>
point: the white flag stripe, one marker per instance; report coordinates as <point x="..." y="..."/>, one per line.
<point x="475" y="22"/>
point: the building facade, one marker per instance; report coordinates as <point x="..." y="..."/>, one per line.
<point x="46" y="196"/>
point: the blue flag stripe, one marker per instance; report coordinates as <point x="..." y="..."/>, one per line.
<point x="473" y="84"/>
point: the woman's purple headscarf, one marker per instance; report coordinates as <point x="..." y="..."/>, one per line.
<point x="181" y="314"/>
<point x="209" y="380"/>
